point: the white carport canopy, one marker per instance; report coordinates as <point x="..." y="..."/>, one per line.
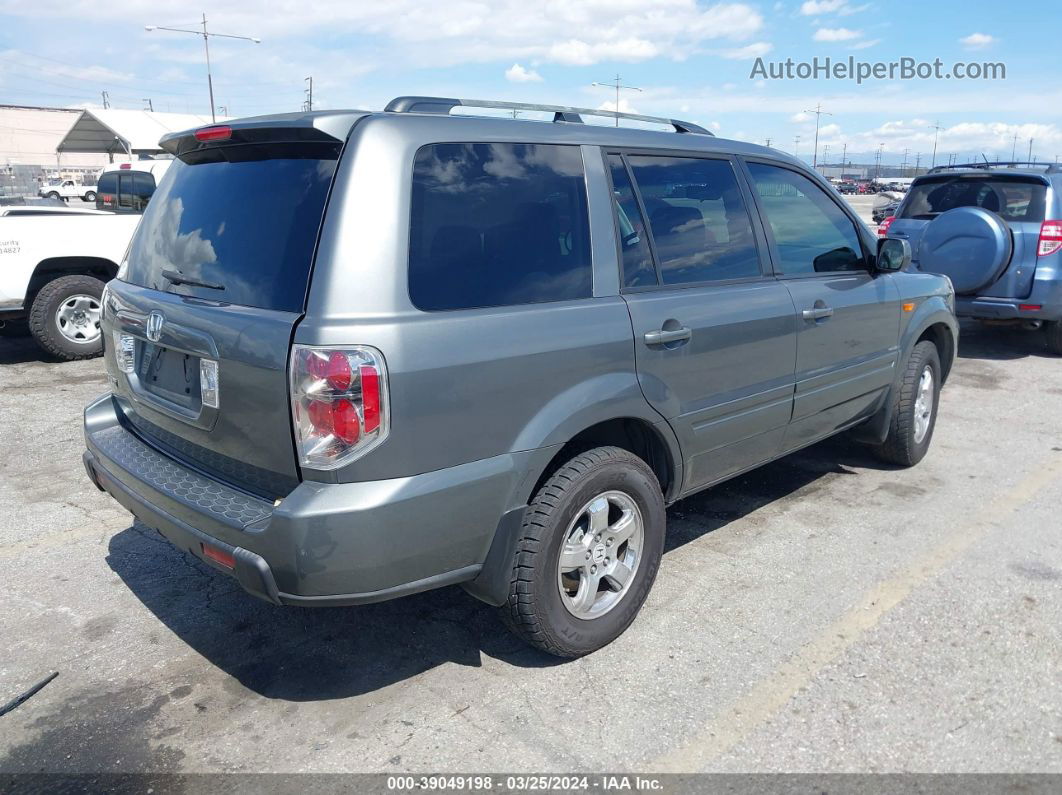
<point x="129" y="132"/>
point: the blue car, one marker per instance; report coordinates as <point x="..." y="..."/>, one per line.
<point x="996" y="230"/>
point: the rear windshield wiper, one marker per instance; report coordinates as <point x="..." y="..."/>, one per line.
<point x="175" y="277"/>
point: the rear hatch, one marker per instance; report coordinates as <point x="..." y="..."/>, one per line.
<point x="200" y="320"/>
<point x="1017" y="199"/>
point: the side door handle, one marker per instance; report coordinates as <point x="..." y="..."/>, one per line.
<point x="664" y="337"/>
<point x="818" y="313"/>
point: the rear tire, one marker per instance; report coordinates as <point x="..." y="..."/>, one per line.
<point x="89" y="197"/>
<point x="1053" y="332"/>
<point x="914" y="416"/>
<point x="63" y="320"/>
<point x="604" y="511"/>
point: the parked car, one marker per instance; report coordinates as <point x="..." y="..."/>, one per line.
<point x="424" y="349"/>
<point x="54" y="261"/>
<point x="885" y="206"/>
<point x="128" y="187"/>
<point x="67" y="189"/>
<point x="848" y="188"/>
<point x="995" y="229"/>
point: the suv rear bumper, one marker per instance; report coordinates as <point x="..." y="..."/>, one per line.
<point x="1044" y="301"/>
<point x="323" y="544"/>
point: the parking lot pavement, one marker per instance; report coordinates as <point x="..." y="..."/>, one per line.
<point x="825" y="613"/>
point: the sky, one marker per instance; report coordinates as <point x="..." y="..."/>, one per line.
<point x="692" y="59"/>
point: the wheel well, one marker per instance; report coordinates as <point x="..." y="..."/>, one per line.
<point x="49" y="269"/>
<point x="941" y="336"/>
<point x="630" y="433"/>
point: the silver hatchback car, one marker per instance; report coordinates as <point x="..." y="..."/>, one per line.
<point x="356" y="355"/>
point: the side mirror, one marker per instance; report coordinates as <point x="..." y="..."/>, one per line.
<point x="893" y="255"/>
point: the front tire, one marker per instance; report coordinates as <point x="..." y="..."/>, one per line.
<point x="89" y="197"/>
<point x="65" y="317"/>
<point x="915" y="414"/>
<point x="588" y="554"/>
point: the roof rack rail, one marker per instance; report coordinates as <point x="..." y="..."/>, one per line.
<point x="986" y="165"/>
<point x="561" y="113"/>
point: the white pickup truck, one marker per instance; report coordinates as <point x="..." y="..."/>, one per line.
<point x="55" y="261"/>
<point x="67" y="189"/>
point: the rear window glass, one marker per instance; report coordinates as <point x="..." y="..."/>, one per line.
<point x="244" y="230"/>
<point x="1013" y="199"/>
<point x="498" y="224"/>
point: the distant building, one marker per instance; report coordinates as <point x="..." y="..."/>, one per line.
<point x="29" y="136"/>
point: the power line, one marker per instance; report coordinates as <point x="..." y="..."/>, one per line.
<point x="618" y="85"/>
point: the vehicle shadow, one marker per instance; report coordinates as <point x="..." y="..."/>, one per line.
<point x="1000" y="343"/>
<point x="301" y="654"/>
<point x="20" y="350"/>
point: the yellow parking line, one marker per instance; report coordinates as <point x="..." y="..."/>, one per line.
<point x="747" y="713"/>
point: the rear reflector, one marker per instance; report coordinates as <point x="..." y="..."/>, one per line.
<point x="1050" y="238"/>
<point x="1030" y="307"/>
<point x="220" y="133"/>
<point x="219" y="555"/>
<point x="126" y="165"/>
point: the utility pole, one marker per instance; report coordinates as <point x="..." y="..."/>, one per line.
<point x="903" y="168"/>
<point x="918" y="162"/>
<point x="1014" y="148"/>
<point x="206" y="47"/>
<point x="617" y="84"/>
<point x="844" y="156"/>
<point x="825" y="154"/>
<point x="106" y="99"/>
<point x="877" y="160"/>
<point x="936" y="132"/>
<point x="223" y="110"/>
<point x="1030" y="149"/>
<point x="819" y="113"/>
<point x="767" y="142"/>
<point x="796" y="146"/>
<point x="309" y="93"/>
<point x="151" y="107"/>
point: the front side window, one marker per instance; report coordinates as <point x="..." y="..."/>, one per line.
<point x="811" y="233"/>
<point x="700" y="226"/>
<point x="498" y="224"/>
<point x="638" y="268"/>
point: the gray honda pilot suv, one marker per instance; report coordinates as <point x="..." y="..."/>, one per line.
<point x="356" y="355"/>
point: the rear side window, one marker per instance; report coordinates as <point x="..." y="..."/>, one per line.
<point x="496" y="224"/>
<point x="143" y="188"/>
<point x="811" y="233"/>
<point x="700" y="226"/>
<point x="244" y="229"/>
<point x="1012" y="198"/>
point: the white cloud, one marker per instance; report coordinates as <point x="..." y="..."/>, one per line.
<point x="755" y="50"/>
<point x="862" y="45"/>
<point x="839" y="7"/>
<point x="977" y="41"/>
<point x="624" y="106"/>
<point x="814" y="7"/>
<point x="800" y="117"/>
<point x="429" y="33"/>
<point x="837" y="34"/>
<point x="518" y="74"/>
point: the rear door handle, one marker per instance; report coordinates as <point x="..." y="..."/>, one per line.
<point x="664" y="337"/>
<point x="818" y="313"/>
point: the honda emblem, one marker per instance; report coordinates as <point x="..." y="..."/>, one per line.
<point x="154" y="326"/>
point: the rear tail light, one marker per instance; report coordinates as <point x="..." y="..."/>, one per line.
<point x="338" y="403"/>
<point x="1050" y="238"/>
<point x="883" y="227"/>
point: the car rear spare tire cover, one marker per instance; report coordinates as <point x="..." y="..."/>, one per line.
<point x="969" y="245"/>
